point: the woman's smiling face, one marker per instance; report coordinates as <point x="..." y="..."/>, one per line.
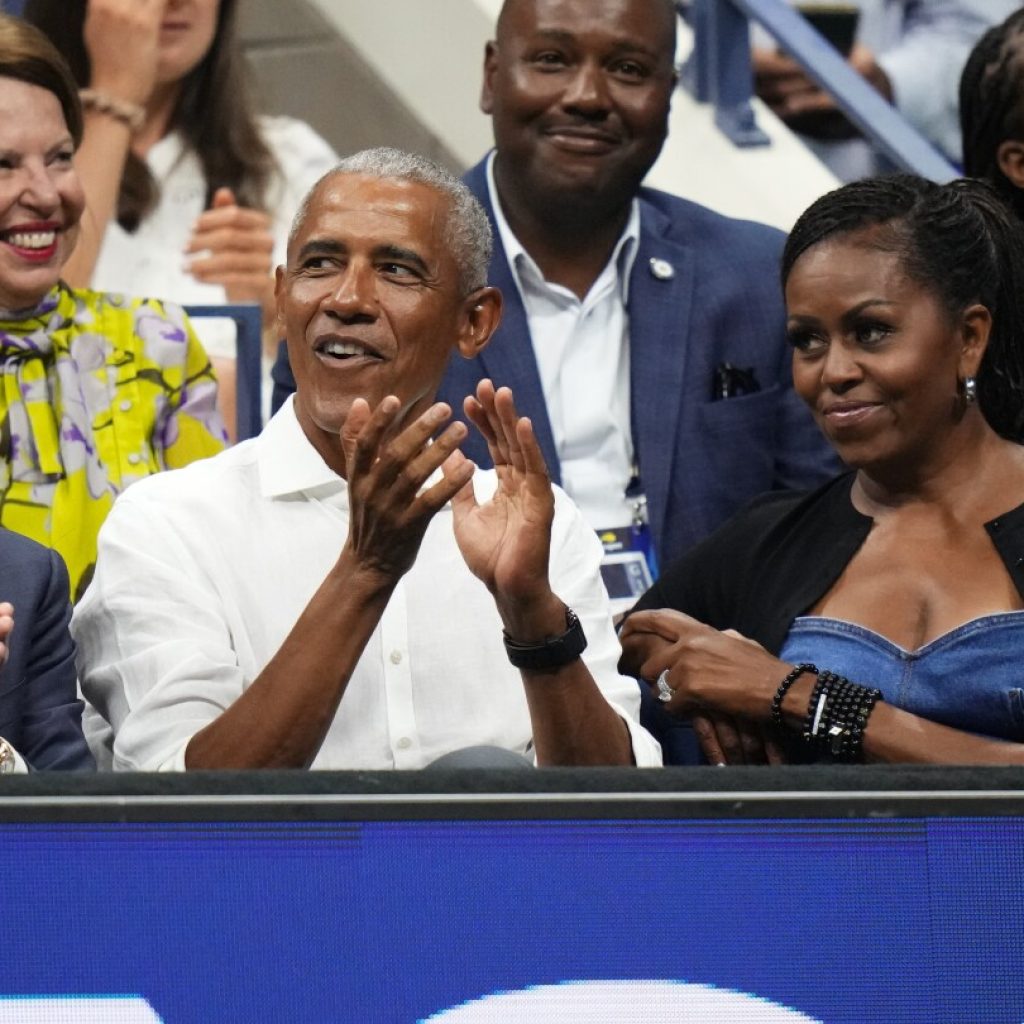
<point x="41" y="197"/>
<point x="876" y="355"/>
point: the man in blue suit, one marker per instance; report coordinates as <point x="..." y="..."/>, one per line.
<point x="40" y="713"/>
<point x="642" y="334"/>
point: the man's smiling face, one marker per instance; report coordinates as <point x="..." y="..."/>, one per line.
<point x="579" y="94"/>
<point x="370" y="301"/>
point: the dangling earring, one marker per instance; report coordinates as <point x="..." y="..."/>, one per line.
<point x="970" y="390"/>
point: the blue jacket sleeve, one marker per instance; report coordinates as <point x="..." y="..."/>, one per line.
<point x="51" y="722"/>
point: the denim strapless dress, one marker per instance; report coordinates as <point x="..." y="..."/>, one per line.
<point x="970" y="678"/>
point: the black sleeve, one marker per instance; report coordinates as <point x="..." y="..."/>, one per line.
<point x="708" y="582"/>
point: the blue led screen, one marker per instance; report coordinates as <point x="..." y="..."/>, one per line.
<point x="843" y="922"/>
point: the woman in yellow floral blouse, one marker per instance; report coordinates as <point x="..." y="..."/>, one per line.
<point x="98" y="390"/>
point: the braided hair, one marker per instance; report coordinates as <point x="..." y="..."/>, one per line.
<point x="959" y="241"/>
<point x="992" y="104"/>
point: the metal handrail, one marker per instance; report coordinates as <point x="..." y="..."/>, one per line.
<point x="720" y="73"/>
<point x="248" y="319"/>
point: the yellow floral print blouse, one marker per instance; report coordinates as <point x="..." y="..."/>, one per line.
<point x="98" y="391"/>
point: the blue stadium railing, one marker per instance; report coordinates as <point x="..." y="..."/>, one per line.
<point x="719" y="72"/>
<point x="248" y="320"/>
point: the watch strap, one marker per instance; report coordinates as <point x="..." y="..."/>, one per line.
<point x="553" y="651"/>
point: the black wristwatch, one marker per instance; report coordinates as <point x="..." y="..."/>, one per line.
<point x="553" y="652"/>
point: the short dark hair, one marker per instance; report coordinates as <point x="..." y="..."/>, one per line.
<point x="28" y="56"/>
<point x="962" y="243"/>
<point x="214" y="112"/>
<point x="992" y="104"/>
<point x="467" y="231"/>
<point x="668" y="9"/>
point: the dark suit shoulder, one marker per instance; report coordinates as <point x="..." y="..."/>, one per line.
<point x="27" y="569"/>
<point x="684" y="218"/>
<point x="684" y="211"/>
<point x="16" y="548"/>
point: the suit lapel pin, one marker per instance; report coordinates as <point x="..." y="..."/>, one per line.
<point x="662" y="269"/>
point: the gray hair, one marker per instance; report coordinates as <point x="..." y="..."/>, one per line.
<point x="467" y="229"/>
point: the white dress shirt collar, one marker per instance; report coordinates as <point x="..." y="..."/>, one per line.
<point x="288" y="462"/>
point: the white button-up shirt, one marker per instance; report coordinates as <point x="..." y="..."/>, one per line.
<point x="582" y="352"/>
<point x="203" y="572"/>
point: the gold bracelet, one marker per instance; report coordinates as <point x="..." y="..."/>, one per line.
<point x="131" y="115"/>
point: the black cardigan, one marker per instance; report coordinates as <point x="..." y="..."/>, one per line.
<point x="781" y="554"/>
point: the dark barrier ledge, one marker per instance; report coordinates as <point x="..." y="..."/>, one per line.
<point x="620" y="793"/>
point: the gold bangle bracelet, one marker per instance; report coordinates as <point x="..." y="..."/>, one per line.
<point x="131" y="115"/>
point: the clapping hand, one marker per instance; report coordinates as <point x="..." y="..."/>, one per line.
<point x="506" y="540"/>
<point x="232" y="246"/>
<point x="387" y="466"/>
<point x="506" y="543"/>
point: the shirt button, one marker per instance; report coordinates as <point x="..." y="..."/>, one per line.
<point x="125" y="405"/>
<point x="133" y="459"/>
<point x="396" y="657"/>
<point x="404" y="743"/>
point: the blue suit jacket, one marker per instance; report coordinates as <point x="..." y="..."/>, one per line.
<point x="40" y="713"/>
<point x="700" y="459"/>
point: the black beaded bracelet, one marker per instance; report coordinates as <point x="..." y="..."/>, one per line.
<point x="780" y="694"/>
<point x="850" y="747"/>
<point x="840" y="712"/>
<point x="868" y="699"/>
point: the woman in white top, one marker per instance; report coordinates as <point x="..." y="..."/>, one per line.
<point x="189" y="194"/>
